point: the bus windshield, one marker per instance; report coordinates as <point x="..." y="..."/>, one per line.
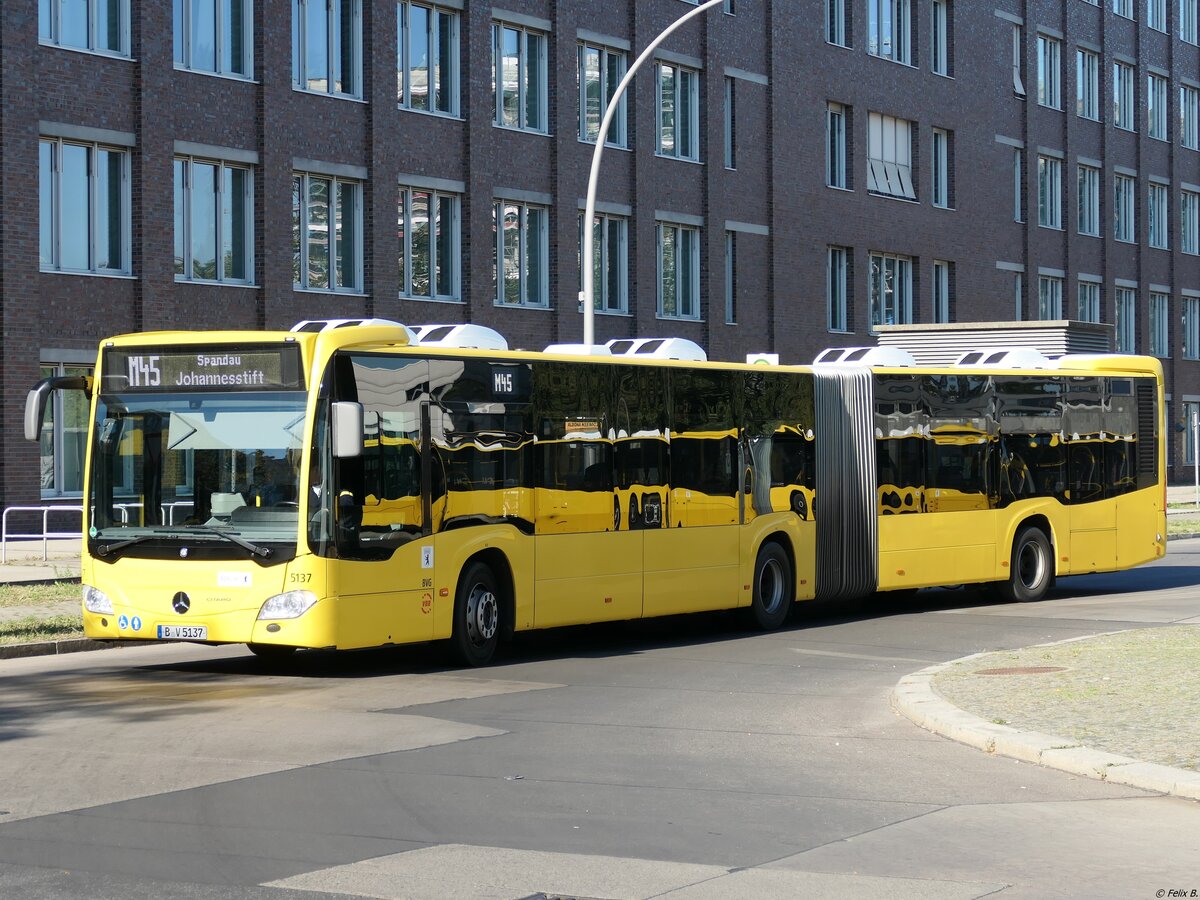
<point x="205" y="467"/>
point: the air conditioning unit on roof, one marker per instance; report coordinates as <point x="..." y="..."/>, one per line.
<point x="463" y="335"/>
<point x="1005" y="358"/>
<point x="658" y="348"/>
<point x="892" y="357"/>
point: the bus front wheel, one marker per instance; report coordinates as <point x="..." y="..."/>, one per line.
<point x="476" y="616"/>
<point x="1031" y="570"/>
<point x="773" y="595"/>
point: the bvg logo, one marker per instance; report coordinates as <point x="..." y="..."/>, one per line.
<point x="181" y="603"/>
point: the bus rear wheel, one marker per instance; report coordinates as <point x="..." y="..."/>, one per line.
<point x="1031" y="569"/>
<point x="773" y="595"/>
<point x="476" y="616"/>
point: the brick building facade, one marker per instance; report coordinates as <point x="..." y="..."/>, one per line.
<point x="789" y="174"/>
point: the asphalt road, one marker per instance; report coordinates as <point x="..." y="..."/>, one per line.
<point x="680" y="758"/>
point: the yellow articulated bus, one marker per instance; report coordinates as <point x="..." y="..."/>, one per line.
<point x="353" y="487"/>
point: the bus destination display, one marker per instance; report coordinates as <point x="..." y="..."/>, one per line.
<point x="229" y="368"/>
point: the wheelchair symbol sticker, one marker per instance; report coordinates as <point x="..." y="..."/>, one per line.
<point x="122" y="622"/>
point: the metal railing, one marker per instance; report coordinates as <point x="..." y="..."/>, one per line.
<point x="45" y="534"/>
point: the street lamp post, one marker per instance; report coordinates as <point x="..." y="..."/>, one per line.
<point x="589" y="213"/>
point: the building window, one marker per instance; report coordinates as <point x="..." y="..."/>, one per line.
<point x="1049" y="69"/>
<point x="1087" y="84"/>
<point x="1191" y="327"/>
<point x="521" y="255"/>
<point x="600" y="72"/>
<point x="101" y="26"/>
<point x="84" y="203"/>
<point x="1018" y="193"/>
<point x="1191" y="418"/>
<point x="1189" y="222"/>
<point x="889" y="156"/>
<point x="427" y="60"/>
<point x="1124" y="101"/>
<point x="1089" y="301"/>
<point x="891" y="289"/>
<point x="939" y="37"/>
<point x="519" y="77"/>
<point x="1018" y="60"/>
<point x="212" y="36"/>
<point x="1189" y="116"/>
<point x="837" y="288"/>
<point x="327" y="46"/>
<point x="730" y="125"/>
<point x="1018" y="297"/>
<point x="1158" y="216"/>
<point x="326" y="229"/>
<point x="889" y="29"/>
<point x="941" y="290"/>
<point x="610" y="263"/>
<point x="1159" y="340"/>
<point x="1049" y="298"/>
<point x="1156" y="14"/>
<point x="1049" y="192"/>
<point x="214" y="221"/>
<point x="64" y="435"/>
<point x="1187" y="20"/>
<point x="678" y="271"/>
<point x="942" y="148"/>
<point x="678" y="112"/>
<point x="837" y="167"/>
<point x="835" y="23"/>
<point x="428" y="253"/>
<point x="1123" y="8"/>
<point x="1156" y="107"/>
<point x="1124" y="205"/>
<point x="1089" y="200"/>
<point x="730" y="278"/>
<point x="1125" y="320"/>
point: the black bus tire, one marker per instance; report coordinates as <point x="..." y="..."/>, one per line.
<point x="476" y="616"/>
<point x="1031" y="568"/>
<point x="772" y="588"/>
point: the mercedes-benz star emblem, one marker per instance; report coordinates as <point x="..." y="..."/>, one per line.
<point x="181" y="603"/>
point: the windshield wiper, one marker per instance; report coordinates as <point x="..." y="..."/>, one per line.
<point x="263" y="552"/>
<point x="105" y="549"/>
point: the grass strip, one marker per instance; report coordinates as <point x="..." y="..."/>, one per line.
<point x="41" y="628"/>
<point x="37" y="594"/>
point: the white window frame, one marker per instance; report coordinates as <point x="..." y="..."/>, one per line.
<point x="1049" y="192"/>
<point x="1156" y="107"/>
<point x="1049" y="71"/>
<point x="50" y="14"/>
<point x="835" y="23"/>
<point x="889" y="156"/>
<point x="1191" y="328"/>
<point x="1189" y="222"/>
<point x="1087" y="84"/>
<point x="939" y="37"/>
<point x="1050" y="306"/>
<point x="603" y="301"/>
<point x="1124" y="97"/>
<point x="1088" y="301"/>
<point x="889" y="30"/>
<point x="941" y="290"/>
<point x="687" y="308"/>
<point x="1124" y="209"/>
<point x="1157" y="209"/>
<point x="531" y="240"/>
<point x="1018" y="59"/>
<point x="680" y="95"/>
<point x="53" y="263"/>
<point x="1189" y="13"/>
<point x="1125" y="319"/>
<point x="940" y="168"/>
<point x="223" y="33"/>
<point x="54" y="433"/>
<point x="301" y="80"/>
<point x="300" y="228"/>
<point x="531" y="52"/>
<point x="837" y="165"/>
<point x="618" y="132"/>
<point x="442" y="81"/>
<point x="1088" y="200"/>
<point x="184" y="218"/>
<point x="837" y="287"/>
<point x="1160" y="342"/>
<point x="1189" y="116"/>
<point x="1156" y="15"/>
<point x="900" y="306"/>
<point x="1123" y="8"/>
<point x="450" y="232"/>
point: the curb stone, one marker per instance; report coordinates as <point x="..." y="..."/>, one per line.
<point x="915" y="698"/>
<point x="53" y="648"/>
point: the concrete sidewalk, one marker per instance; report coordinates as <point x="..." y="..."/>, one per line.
<point x="30" y="560"/>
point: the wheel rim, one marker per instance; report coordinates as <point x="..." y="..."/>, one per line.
<point x="1031" y="565"/>
<point x="770" y="585"/>
<point x="483" y="615"/>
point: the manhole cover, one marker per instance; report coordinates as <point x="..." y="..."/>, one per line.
<point x="1022" y="670"/>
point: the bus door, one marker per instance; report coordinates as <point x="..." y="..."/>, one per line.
<point x="1093" y="522"/>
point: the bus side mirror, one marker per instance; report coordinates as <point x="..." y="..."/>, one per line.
<point x="35" y="400"/>
<point x="347" y="430"/>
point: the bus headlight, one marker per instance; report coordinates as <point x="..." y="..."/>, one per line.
<point x="289" y="605"/>
<point x="96" y="601"/>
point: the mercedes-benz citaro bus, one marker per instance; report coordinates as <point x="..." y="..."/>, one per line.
<point x="349" y="484"/>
